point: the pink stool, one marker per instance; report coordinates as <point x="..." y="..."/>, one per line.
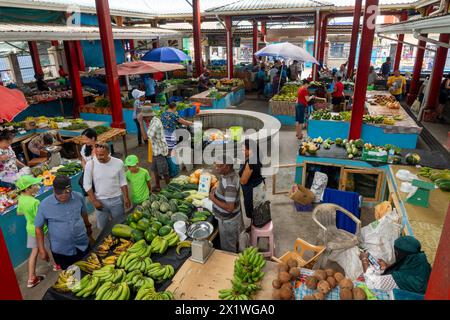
<point x="264" y="232"/>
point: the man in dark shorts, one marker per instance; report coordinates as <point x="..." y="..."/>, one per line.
<point x="303" y="99"/>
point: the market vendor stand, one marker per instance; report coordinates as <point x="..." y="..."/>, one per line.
<point x="423" y="223"/>
<point x="234" y="97"/>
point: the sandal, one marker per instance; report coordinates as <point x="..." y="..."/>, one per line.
<point x="57" y="267"/>
<point x="33" y="283"/>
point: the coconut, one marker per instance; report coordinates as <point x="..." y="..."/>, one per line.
<point x="346" y="294"/>
<point x="311" y="283"/>
<point x="284" y="277"/>
<point x="287" y="285"/>
<point x="309" y="297"/>
<point x="283" y="267"/>
<point x="320" y="275"/>
<point x="346" y="283"/>
<point x="294" y="272"/>
<point x="276" y="294"/>
<point x="324" y="287"/>
<point x="276" y="284"/>
<point x="292" y="263"/>
<point x="319" y="295"/>
<point x="338" y="276"/>
<point x="285" y="294"/>
<point x="359" y="294"/>
<point x="330" y="272"/>
<point x="332" y="282"/>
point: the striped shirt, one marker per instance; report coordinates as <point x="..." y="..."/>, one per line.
<point x="228" y="191"/>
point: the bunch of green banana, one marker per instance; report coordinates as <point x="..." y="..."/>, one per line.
<point x="161" y="273"/>
<point x="136" y="280"/>
<point x="111" y="291"/>
<point x="136" y="262"/>
<point x="66" y="281"/>
<point x="244" y="288"/>
<point x="147" y="292"/>
<point x="247" y="268"/>
<point x="87" y="267"/>
<point x="230" y="294"/>
<point x="87" y="286"/>
<point x="140" y="248"/>
<point x="172" y="238"/>
<point x="124" y="246"/>
<point x="183" y="244"/>
<point x="110" y="273"/>
<point x="159" y="245"/>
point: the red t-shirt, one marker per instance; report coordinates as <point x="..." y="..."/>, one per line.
<point x="301" y="95"/>
<point x="339" y="90"/>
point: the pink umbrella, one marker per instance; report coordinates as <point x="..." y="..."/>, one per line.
<point x="13" y="102"/>
<point x="140" y="67"/>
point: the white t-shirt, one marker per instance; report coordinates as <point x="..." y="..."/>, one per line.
<point x="82" y="152"/>
<point x="108" y="178"/>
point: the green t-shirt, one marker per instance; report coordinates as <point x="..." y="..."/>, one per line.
<point x="138" y="185"/>
<point x="28" y="206"/>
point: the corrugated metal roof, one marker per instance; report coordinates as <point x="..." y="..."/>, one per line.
<point x="42" y="32"/>
<point x="351" y="3"/>
<point x="427" y="25"/>
<point x="250" y="5"/>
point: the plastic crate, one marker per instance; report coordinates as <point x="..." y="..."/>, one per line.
<point x="368" y="155"/>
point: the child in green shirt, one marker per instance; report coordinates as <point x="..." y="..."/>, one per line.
<point x="138" y="180"/>
<point x="28" y="206"/>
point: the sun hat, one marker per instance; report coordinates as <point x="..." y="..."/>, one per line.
<point x="137" y="93"/>
<point x="147" y="112"/>
<point x="131" y="160"/>
<point x="27" y="181"/>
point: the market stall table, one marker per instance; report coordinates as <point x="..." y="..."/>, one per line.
<point x="196" y="281"/>
<point x="106" y="137"/>
<point x="234" y="97"/>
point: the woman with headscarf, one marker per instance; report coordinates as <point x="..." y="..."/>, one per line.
<point x="409" y="272"/>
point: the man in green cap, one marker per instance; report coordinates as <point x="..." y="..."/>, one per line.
<point x="28" y="206"/>
<point x="138" y="179"/>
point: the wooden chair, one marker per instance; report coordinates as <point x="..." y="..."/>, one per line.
<point x="301" y="247"/>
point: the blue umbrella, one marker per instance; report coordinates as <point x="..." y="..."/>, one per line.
<point x="166" y="54"/>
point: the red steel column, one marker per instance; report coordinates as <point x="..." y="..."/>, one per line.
<point x="323" y="38"/>
<point x="401" y="38"/>
<point x="109" y="56"/>
<point x="80" y="57"/>
<point x="74" y="76"/>
<point x="131" y="45"/>
<point x="54" y="43"/>
<point x="197" y="37"/>
<point x="228" y="25"/>
<point x="255" y="41"/>
<point x="263" y="31"/>
<point x="414" y="86"/>
<point x="437" y="73"/>
<point x="354" y="40"/>
<point x="34" y="53"/>
<point x="316" y="44"/>
<point x="359" y="99"/>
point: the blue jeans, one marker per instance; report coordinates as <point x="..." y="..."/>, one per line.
<point x="112" y="209"/>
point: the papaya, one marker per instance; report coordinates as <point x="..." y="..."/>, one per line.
<point x="122" y="231"/>
<point x="164" y="231"/>
<point x="149" y="235"/>
<point x="143" y="224"/>
<point x="137" y="215"/>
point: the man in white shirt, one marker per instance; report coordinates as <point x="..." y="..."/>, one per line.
<point x="106" y="185"/>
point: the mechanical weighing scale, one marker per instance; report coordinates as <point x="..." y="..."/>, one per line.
<point x="201" y="247"/>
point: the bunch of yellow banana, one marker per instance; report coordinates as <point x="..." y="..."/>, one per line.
<point x="87" y="286"/>
<point x="66" y="280"/>
<point x="140" y="248"/>
<point x="109" y="260"/>
<point x="124" y="246"/>
<point x="161" y="273"/>
<point x="109" y="273"/>
<point x="183" y="244"/>
<point x="93" y="258"/>
<point x="172" y="238"/>
<point x="87" y="267"/>
<point x="105" y="246"/>
<point x="147" y="292"/>
<point x="111" y="291"/>
<point x="159" y="245"/>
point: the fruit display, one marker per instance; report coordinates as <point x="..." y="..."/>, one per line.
<point x="86" y="287"/>
<point x="247" y="272"/>
<point x="137" y="280"/>
<point x="109" y="273"/>
<point x="48" y="96"/>
<point x="66" y="280"/>
<point x="183" y="244"/>
<point x="383" y="99"/>
<point x="70" y="169"/>
<point x="103" y="249"/>
<point x="148" y="292"/>
<point x="101" y="129"/>
<point x="440" y="177"/>
<point x="113" y="291"/>
<point x="393" y="105"/>
<point x="412" y="158"/>
<point x="287" y="93"/>
<point x="309" y="147"/>
<point x="88" y="267"/>
<point x="287" y="273"/>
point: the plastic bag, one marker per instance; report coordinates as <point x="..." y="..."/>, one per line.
<point x="349" y="260"/>
<point x="318" y="186"/>
<point x="379" y="236"/>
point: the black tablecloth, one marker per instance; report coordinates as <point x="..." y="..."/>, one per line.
<point x="169" y="257"/>
<point x="431" y="159"/>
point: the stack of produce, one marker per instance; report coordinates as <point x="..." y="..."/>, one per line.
<point x="440" y="177"/>
<point x="66" y="280"/>
<point x="287" y="273"/>
<point x="287" y="93"/>
<point x="70" y="169"/>
<point x="101" y="129"/>
<point x="247" y="272"/>
<point x="324" y="281"/>
<point x="148" y="292"/>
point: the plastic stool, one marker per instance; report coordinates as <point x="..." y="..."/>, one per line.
<point x="264" y="232"/>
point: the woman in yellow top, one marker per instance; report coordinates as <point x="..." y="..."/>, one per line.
<point x="397" y="85"/>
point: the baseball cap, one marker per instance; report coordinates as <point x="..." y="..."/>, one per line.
<point x="137" y="93"/>
<point x="131" y="160"/>
<point x="61" y="183"/>
<point x="27" y="181"/>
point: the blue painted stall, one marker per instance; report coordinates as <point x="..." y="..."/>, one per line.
<point x="13" y="226"/>
<point x="376" y="135"/>
<point x="55" y="108"/>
